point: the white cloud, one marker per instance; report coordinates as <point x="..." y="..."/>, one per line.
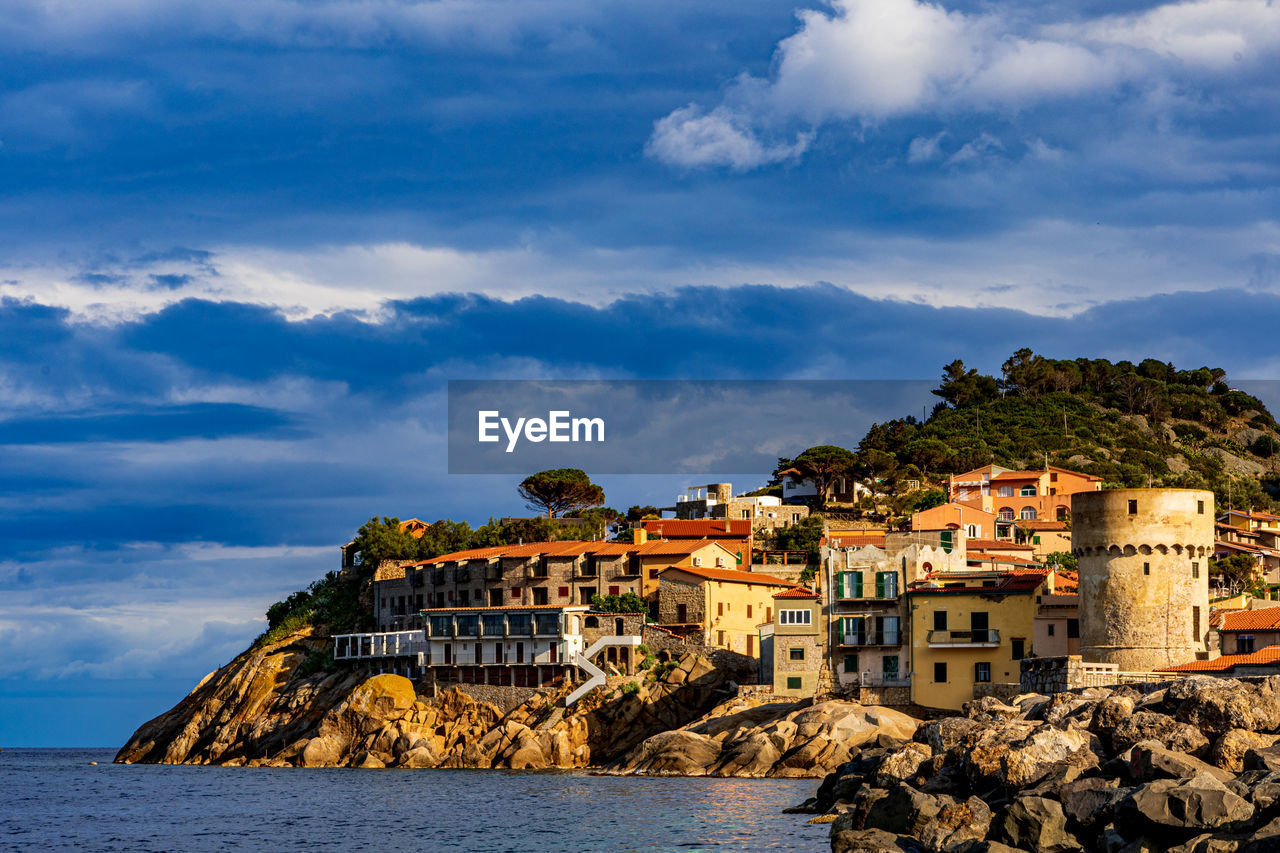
<point x="867" y="61"/>
<point x="693" y="137"/>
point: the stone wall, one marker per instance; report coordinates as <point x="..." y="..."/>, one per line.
<point x="506" y="698"/>
<point x="673" y="593"/>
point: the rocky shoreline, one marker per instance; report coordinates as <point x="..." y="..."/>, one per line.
<point x="260" y="711"/>
<point x="1192" y="767"/>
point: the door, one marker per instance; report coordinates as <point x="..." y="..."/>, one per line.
<point x="751" y="646"/>
<point x="682" y="613"/>
<point x="519" y="652"/>
<point x="979" y="625"/>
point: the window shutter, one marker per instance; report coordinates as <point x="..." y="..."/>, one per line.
<point x="857" y="584"/>
<point x="840" y="584"/>
<point x="880" y="586"/>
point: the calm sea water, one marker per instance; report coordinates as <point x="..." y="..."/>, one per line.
<point x="54" y="800"/>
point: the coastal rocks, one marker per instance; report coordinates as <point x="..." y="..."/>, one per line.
<point x="1038" y="823"/>
<point x="1217" y="705"/>
<point x="1149" y="726"/>
<point x="780" y="739"/>
<point x="1201" y="802"/>
<point x="324" y="751"/>
<point x="1230" y="749"/>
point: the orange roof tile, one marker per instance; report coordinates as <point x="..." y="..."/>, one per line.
<point x="1019" y="475"/>
<point x="1264" y="619"/>
<point x="796" y="592"/>
<point x="699" y="528"/>
<point x="731" y="575"/>
<point x="996" y="545"/>
<point x="856" y="540"/>
<point x="506" y="607"/>
<point x="1262" y="657"/>
<point x="665" y="548"/>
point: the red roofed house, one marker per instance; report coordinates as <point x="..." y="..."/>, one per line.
<point x="1020" y="495"/>
<point x="733" y="534"/>
<point x="723" y="606"/>
<point x="975" y="522"/>
<point x="1246" y="631"/>
<point x="1265" y="661"/>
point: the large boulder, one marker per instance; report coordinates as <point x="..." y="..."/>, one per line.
<point x="323" y="751"/>
<point x="1091" y="801"/>
<point x="903" y="764"/>
<point x="1146" y="725"/>
<point x="942" y="735"/>
<point x="1201" y="802"/>
<point x="1229" y="750"/>
<point x="845" y="839"/>
<point x="1218" y="705"/>
<point x="1017" y="754"/>
<point x="677" y="752"/>
<point x="1108" y="713"/>
<point x="1038" y="823"/>
<point x="1149" y="760"/>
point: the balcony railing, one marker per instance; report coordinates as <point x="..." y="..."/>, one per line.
<point x="380" y="645"/>
<point x="868" y="594"/>
<point x="976" y="637"/>
<point x="871" y="638"/>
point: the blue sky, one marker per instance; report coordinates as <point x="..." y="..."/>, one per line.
<point x="242" y="247"/>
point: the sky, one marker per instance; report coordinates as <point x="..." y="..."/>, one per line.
<point x="244" y="245"/>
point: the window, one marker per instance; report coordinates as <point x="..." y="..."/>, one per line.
<point x="1028" y="491"/>
<point x="613" y="590"/>
<point x="564" y="592"/>
<point x="982" y="671"/>
<point x="1073" y="629"/>
<point x="515" y="593"/>
<point x="886" y="584"/>
<point x="653" y="574"/>
<point x="697" y="561"/>
<point x="746" y="513"/>
<point x="540" y="595"/>
<point x="1244" y="645"/>
<point x="720" y="609"/>
<point x="1019" y="647"/>
<point x="1028" y="513"/>
<point x="1005" y="514"/>
<point x="1200" y="507"/>
<point x="793" y="682"/>
<point x="1061" y="513"/>
<point x="939" y="620"/>
<point x="795" y="617"/>
<point x="1195" y="623"/>
<point x="1005" y="492"/>
<point x="748" y="611"/>
<point x="1053" y="478"/>
<point x="1195" y="569"/>
<point x="971" y="531"/>
<point x="1133" y="507"/>
<point x="851" y="664"/>
<point x="795" y="653"/>
<point x="1146" y="568"/>
<point x="940" y="672"/>
<point x="682" y="613"/>
<point x="889" y="665"/>
<point x="1050" y="628"/>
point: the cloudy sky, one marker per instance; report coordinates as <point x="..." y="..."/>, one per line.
<point x="243" y="245"/>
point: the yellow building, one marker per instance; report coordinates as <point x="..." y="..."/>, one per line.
<point x="969" y="628"/>
<point x="797" y="642"/>
<point x="724" y="606"/>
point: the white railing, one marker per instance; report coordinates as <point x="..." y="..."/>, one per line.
<point x="380" y="645"/>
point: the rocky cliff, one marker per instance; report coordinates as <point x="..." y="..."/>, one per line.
<point x="1191" y="768"/>
<point x="261" y="710"/>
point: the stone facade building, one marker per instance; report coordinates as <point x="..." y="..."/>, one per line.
<point x="1144" y="578"/>
<point x="723" y="606"/>
<point x="798" y="650"/>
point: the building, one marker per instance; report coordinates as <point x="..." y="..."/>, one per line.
<point x="1244" y="632"/>
<point x="1014" y="496"/>
<point x="976" y="523"/>
<point x="969" y="628"/>
<point x="799" y="489"/>
<point x="724" y="606"/>
<point x="516" y="646"/>
<point x="1057" y="621"/>
<point x="1044" y="537"/>
<point x="716" y="501"/>
<point x="533" y="574"/>
<point x="798" y="653"/>
<point x="1144" y="578"/>
<point x="865" y="607"/>
<point x="1263" y="662"/>
<point x="733" y="534"/>
<point x="1256" y="541"/>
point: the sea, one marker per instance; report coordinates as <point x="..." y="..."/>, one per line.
<point x="58" y="799"/>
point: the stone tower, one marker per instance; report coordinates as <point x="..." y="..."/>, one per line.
<point x="1144" y="575"/>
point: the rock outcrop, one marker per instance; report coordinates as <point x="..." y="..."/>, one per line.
<point x="1188" y="768"/>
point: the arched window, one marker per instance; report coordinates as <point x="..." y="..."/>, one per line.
<point x="1028" y="513"/>
<point x="1005" y="513"/>
<point x="1005" y="491"/>
<point x="1028" y="491"/>
<point x="592" y="622"/>
<point x="971" y="531"/>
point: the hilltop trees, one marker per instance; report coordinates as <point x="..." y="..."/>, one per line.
<point x="560" y="490"/>
<point x="824" y="464"/>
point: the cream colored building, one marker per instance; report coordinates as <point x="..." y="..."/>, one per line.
<point x="723" y="606"/>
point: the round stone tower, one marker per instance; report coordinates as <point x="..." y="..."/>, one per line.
<point x="1144" y="575"/>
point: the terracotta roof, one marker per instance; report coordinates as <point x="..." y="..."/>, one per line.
<point x="1019" y="475"/>
<point x="996" y="545"/>
<point x="1262" y="657"/>
<point x="1015" y="581"/>
<point x="1043" y="524"/>
<point x="1066" y="582"/>
<point x="505" y="607"/>
<point x="796" y="592"/>
<point x="1001" y="559"/>
<point x="1264" y="619"/>
<point x="731" y="575"/>
<point x="1074" y="473"/>
<point x="1241" y="546"/>
<point x="699" y="528"/>
<point x="664" y="548"/>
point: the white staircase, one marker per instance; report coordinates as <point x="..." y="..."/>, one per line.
<point x="582" y="660"/>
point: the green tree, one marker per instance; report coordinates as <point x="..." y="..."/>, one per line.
<point x="928" y="499"/>
<point x="628" y="602"/>
<point x="965" y="387"/>
<point x="382" y="539"/>
<point x="1062" y="560"/>
<point x="560" y="490"/>
<point x="804" y="535"/>
<point x="1238" y="570"/>
<point x="640" y="513"/>
<point x="823" y="465"/>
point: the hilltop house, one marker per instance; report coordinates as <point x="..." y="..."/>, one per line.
<point x="716" y="500"/>
<point x="1015" y="496"/>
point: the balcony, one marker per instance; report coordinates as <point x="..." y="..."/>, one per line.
<point x="389" y="644"/>
<point x="872" y="638"/>
<point x="887" y="596"/>
<point x="978" y="638"/>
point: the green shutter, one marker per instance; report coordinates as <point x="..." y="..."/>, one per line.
<point x="857" y="585"/>
<point x="947" y="541"/>
<point x="880" y="584"/>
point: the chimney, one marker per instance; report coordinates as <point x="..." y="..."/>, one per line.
<point x="639" y="536"/>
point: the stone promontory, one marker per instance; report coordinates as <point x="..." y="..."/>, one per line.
<point x="261" y="710"/>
